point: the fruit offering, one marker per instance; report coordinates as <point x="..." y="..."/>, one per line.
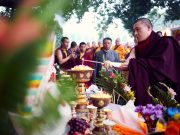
<point x="78" y="125"/>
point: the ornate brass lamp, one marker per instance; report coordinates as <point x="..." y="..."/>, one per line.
<point x="100" y="101"/>
<point x="81" y="77"/>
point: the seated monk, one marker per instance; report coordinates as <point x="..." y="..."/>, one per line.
<point x="154" y="59"/>
<point x="62" y="57"/>
<point x="84" y="54"/>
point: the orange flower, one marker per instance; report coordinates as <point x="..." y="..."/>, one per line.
<point x="139" y="115"/>
<point x="127" y="131"/>
<point x="173" y="128"/>
<point x="116" y="128"/>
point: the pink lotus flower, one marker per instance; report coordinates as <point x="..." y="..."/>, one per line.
<point x="112" y="75"/>
<point x="171" y="92"/>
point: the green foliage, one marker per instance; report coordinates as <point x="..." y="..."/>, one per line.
<point x="127" y="10"/>
<point x="130" y="10"/>
<point x="58" y="39"/>
<point x="173" y="11"/>
<point x="67" y="89"/>
<point x="58" y="31"/>
<point x="16" y="68"/>
<point x="8" y="12"/>
<point x="159" y="94"/>
<point x="49" y="110"/>
<point x="15" y="71"/>
<point x="114" y="82"/>
<point x="48" y="116"/>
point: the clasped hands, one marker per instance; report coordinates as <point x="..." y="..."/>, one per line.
<point x="73" y="55"/>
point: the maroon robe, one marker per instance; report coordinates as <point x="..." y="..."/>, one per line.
<point x="87" y="56"/>
<point x="66" y="65"/>
<point x="157" y="60"/>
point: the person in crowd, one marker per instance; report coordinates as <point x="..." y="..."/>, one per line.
<point x="82" y="50"/>
<point x="154" y="59"/>
<point x="94" y="44"/>
<point x="62" y="57"/>
<point x="84" y="55"/>
<point x="120" y="49"/>
<point x="128" y="50"/>
<point x="88" y="45"/>
<point x="73" y="47"/>
<point x="73" y="50"/>
<point x="128" y="47"/>
<point x="106" y="54"/>
<point x="100" y="46"/>
<point x="89" y="49"/>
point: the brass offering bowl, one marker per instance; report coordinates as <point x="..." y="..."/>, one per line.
<point x="81" y="76"/>
<point x="100" y="100"/>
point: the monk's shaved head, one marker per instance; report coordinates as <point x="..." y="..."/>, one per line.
<point x="146" y="21"/>
<point x="142" y="29"/>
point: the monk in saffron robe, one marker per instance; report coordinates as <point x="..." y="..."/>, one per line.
<point x="120" y="49"/>
<point x="100" y="47"/>
<point x="154" y="59"/>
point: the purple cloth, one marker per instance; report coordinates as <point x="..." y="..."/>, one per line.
<point x="159" y="62"/>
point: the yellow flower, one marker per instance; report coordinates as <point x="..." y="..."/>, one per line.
<point x="160" y="127"/>
<point x="177" y="117"/>
<point x="131" y="94"/>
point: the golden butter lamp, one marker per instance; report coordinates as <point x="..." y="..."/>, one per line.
<point x="81" y="76"/>
<point x="100" y="101"/>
